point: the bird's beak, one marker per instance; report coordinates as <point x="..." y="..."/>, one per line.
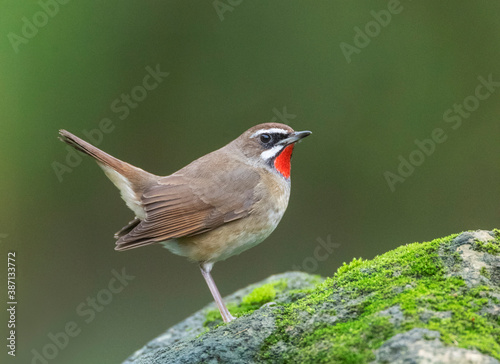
<point x="295" y="137"/>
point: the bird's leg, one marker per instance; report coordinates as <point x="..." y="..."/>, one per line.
<point x="205" y="270"/>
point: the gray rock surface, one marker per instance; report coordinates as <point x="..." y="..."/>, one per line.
<point x="246" y="335"/>
<point x="472" y="262"/>
<point x="422" y="346"/>
<point x="180" y="343"/>
<point x="247" y="339"/>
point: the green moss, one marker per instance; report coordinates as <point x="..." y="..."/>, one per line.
<point x="484" y="272"/>
<point x="491" y="246"/>
<point x="251" y="302"/>
<point x="412" y="277"/>
<point x="344" y="268"/>
<point x="263" y="294"/>
<point x="352" y="343"/>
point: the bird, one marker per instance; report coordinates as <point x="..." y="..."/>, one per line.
<point x="217" y="206"/>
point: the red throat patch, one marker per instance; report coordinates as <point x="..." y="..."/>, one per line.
<point x="282" y="161"/>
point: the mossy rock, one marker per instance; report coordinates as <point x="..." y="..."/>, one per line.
<point x="433" y="302"/>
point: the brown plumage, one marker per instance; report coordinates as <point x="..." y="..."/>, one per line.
<point x="217" y="206"/>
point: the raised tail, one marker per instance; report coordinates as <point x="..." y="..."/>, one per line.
<point x="130" y="180"/>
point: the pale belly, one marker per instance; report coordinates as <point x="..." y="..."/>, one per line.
<point x="225" y="241"/>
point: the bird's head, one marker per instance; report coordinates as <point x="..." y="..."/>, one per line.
<point x="270" y="144"/>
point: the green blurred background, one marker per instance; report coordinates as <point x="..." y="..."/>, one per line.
<point x="249" y="65"/>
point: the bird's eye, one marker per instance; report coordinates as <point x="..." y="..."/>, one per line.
<point x="265" y="138"/>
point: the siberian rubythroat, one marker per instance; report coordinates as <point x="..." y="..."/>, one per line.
<point x="215" y="207"/>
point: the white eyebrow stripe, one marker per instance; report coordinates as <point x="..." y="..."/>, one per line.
<point x="270" y="131"/>
<point x="267" y="154"/>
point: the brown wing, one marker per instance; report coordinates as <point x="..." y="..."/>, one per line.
<point x="127" y="228"/>
<point x="193" y="201"/>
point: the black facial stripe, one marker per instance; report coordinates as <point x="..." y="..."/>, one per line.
<point x="279" y="136"/>
<point x="275" y="138"/>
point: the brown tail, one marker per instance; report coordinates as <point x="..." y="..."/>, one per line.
<point x="102" y="157"/>
<point x="130" y="180"/>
